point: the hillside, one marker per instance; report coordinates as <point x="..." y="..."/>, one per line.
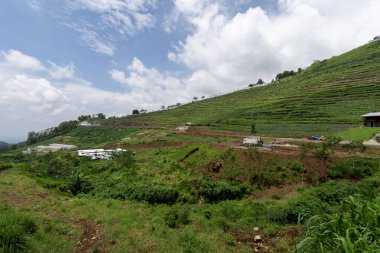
<point x="3" y="145"/>
<point x="201" y="190"/>
<point x="326" y="97"/>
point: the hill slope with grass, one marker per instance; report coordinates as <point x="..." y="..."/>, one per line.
<point x="4" y="145"/>
<point x="327" y="97"/>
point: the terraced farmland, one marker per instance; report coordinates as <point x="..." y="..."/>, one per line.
<point x="327" y="97"/>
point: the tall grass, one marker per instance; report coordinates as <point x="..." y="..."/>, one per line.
<point x="354" y="229"/>
<point x="14" y="231"/>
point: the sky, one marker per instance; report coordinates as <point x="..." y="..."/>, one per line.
<point x="63" y="58"/>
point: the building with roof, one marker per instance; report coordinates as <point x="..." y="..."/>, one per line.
<point x="371" y="119"/>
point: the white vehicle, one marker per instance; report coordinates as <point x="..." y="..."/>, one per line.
<point x="95" y="154"/>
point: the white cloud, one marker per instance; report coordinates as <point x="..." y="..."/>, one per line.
<point x="15" y="59"/>
<point x="97" y="44"/>
<point x="155" y="87"/>
<point x="61" y="72"/>
<point x="227" y="51"/>
<point x="36" y="100"/>
<point x="34" y="4"/>
<point x="123" y="17"/>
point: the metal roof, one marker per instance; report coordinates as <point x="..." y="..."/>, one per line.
<point x="372" y="114"/>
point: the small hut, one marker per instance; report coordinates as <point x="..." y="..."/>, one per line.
<point x="371" y="119"/>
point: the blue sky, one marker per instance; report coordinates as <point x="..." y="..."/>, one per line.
<point x="63" y="58"/>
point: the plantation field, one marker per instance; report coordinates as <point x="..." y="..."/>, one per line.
<point x="324" y="99"/>
<point x="200" y="196"/>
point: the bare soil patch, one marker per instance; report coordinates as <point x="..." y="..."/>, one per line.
<point x="90" y="236"/>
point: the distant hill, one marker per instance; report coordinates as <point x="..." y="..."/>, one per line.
<point x="4" y="145"/>
<point x="327" y="97"/>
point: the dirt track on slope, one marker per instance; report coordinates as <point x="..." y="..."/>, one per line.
<point x="90" y="236"/>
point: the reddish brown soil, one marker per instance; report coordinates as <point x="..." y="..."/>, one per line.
<point x="90" y="236"/>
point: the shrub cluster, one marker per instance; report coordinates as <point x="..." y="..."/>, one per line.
<point x="79" y="184"/>
<point x="284" y="74"/>
<point x="14" y="231"/>
<point x="354" y="168"/>
<point x="177" y="216"/>
<point x="4" y="166"/>
<point x="215" y="191"/>
<point x="323" y="199"/>
<point x="151" y="193"/>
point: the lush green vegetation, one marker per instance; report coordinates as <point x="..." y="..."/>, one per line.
<point x="202" y="193"/>
<point x="359" y="134"/>
<point x="61" y="129"/>
<point x="315" y="101"/>
<point x="15" y="230"/>
<point x="4" y="166"/>
<point x="353" y="229"/>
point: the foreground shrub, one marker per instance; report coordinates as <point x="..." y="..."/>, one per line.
<point x="177" y="216"/>
<point x="56" y="168"/>
<point x="79" y="184"/>
<point x="151" y="193"/>
<point x="215" y="191"/>
<point x="14" y="231"/>
<point x="353" y="229"/>
<point x="4" y="166"/>
<point x="354" y="168"/>
<point x="321" y="200"/>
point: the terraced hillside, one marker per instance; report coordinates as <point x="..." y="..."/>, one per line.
<point x="325" y="98"/>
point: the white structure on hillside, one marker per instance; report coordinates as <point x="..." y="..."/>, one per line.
<point x="54" y="147"/>
<point x="99" y="153"/>
<point x="85" y="123"/>
<point x="251" y="141"/>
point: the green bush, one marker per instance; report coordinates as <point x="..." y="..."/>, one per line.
<point x="177" y="216"/>
<point x="354" y="168"/>
<point x="322" y="199"/>
<point x="184" y="215"/>
<point x="56" y="167"/>
<point x="126" y="158"/>
<point x="151" y="193"/>
<point x="297" y="166"/>
<point x="4" y="166"/>
<point x="369" y="188"/>
<point x="216" y="191"/>
<point x="79" y="184"/>
<point x="334" y="192"/>
<point x="171" y="218"/>
<point x="14" y="231"/>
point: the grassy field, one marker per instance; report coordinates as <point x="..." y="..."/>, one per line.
<point x="326" y="98"/>
<point x="162" y="200"/>
<point x="173" y="192"/>
<point x="359" y="134"/>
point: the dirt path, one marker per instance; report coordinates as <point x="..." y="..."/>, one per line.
<point x="90" y="236"/>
